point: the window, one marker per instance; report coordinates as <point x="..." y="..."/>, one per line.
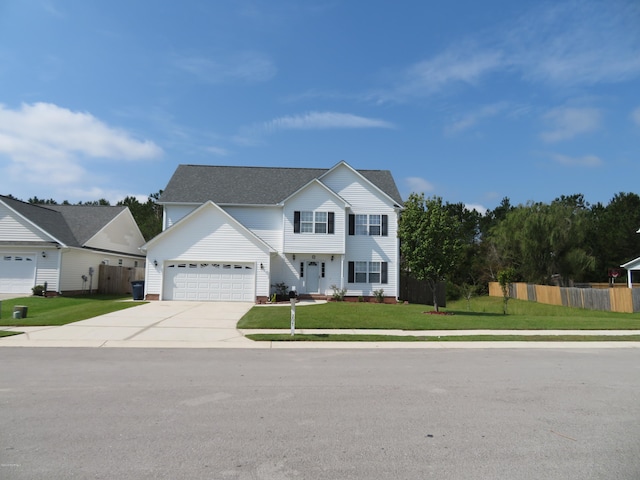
<point x="374" y="272"/>
<point x="306" y="222"/>
<point x="373" y="225"/>
<point x="321" y="222"/>
<point x="361" y="225"/>
<point x="322" y="270"/>
<point x="301" y="269"/>
<point x="368" y="272"/>
<point x="361" y="272"/>
<point x="120" y="261"/>
<point x="313" y="222"/>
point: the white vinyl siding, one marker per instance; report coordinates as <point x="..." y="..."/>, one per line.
<point x="365" y="199"/>
<point x="76" y="262"/>
<point x="14" y="228"/>
<point x="207" y="236"/>
<point x="174" y="213"/>
<point x="314" y="199"/>
<point x="120" y="235"/>
<point x="265" y="222"/>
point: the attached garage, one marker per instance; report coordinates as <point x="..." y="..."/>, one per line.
<point x="17" y="273"/>
<point x="204" y="281"/>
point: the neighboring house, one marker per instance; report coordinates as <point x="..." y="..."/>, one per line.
<point x="234" y="233"/>
<point x="63" y="245"/>
<point x="630" y="267"/>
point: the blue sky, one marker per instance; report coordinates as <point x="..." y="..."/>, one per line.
<point x="471" y="101"/>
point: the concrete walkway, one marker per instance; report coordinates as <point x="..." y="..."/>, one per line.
<point x="213" y="325"/>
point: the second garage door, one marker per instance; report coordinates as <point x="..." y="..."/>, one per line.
<point x="205" y="281"/>
<point x="17" y="273"/>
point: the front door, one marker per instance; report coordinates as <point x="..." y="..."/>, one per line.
<point x="313" y="273"/>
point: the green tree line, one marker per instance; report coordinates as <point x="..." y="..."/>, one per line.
<point x="564" y="242"/>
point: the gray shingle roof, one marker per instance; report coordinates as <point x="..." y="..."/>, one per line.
<point x="72" y="225"/>
<point x="253" y="185"/>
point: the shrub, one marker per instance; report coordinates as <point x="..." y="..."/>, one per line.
<point x="38" y="290"/>
<point x="281" y="288"/>
<point x="338" y="293"/>
<point x="379" y="294"/>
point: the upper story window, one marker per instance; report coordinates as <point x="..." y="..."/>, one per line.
<point x="375" y="225"/>
<point x="313" y="222"/>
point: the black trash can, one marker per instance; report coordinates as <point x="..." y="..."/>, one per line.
<point x="137" y="288"/>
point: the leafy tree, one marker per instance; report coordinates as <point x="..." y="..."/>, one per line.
<point x="429" y="240"/>
<point x="613" y="237"/>
<point x="505" y="278"/>
<point x="546" y="242"/>
<point x="39" y="201"/>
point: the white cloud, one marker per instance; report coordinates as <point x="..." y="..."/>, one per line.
<point x="575" y="42"/>
<point x="456" y="65"/>
<point x="220" y="152"/>
<point x="580" y="42"/>
<point x="324" y="120"/>
<point x="477" y="207"/>
<point x="589" y="161"/>
<point x="49" y="145"/>
<point x="249" y="67"/>
<point x="419" y="185"/>
<point x="469" y="120"/>
<point x="635" y="116"/>
<point x="568" y="122"/>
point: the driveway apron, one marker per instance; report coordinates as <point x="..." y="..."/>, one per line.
<point x="156" y="324"/>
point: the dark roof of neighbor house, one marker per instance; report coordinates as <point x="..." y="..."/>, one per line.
<point x="253" y="185"/>
<point x="72" y="225"/>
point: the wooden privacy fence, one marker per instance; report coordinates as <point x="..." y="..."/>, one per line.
<point x="418" y="291"/>
<point x="625" y="300"/>
<point x="115" y="280"/>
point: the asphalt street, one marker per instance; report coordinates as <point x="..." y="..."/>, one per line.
<point x="319" y="414"/>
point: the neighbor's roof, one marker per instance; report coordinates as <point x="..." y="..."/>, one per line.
<point x="253" y="185"/>
<point x="72" y="225"/>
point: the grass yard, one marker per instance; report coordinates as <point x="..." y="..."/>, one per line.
<point x="61" y="310"/>
<point x="484" y="313"/>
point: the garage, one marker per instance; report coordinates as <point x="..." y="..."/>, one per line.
<point x="204" y="281"/>
<point x="17" y="273"/>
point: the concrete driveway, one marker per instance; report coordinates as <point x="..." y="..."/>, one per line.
<point x="156" y="324"/>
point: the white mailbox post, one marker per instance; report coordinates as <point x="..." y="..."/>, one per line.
<point x="293" y="296"/>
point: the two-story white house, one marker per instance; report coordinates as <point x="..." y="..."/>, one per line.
<point x="234" y="233"/>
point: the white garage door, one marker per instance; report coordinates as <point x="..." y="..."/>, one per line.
<point x="209" y="281"/>
<point x="17" y="273"/>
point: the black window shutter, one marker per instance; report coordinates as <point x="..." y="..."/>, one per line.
<point x="383" y="273"/>
<point x="352" y="272"/>
<point x="296" y="222"/>
<point x="385" y="228"/>
<point x="331" y="221"/>
<point x="352" y="224"/>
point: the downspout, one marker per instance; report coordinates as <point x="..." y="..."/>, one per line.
<point x="60" y="252"/>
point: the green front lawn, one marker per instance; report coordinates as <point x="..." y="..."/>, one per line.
<point x="485" y="314"/>
<point x="61" y="310"/>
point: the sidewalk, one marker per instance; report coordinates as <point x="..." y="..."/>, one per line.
<point x="213" y="325"/>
